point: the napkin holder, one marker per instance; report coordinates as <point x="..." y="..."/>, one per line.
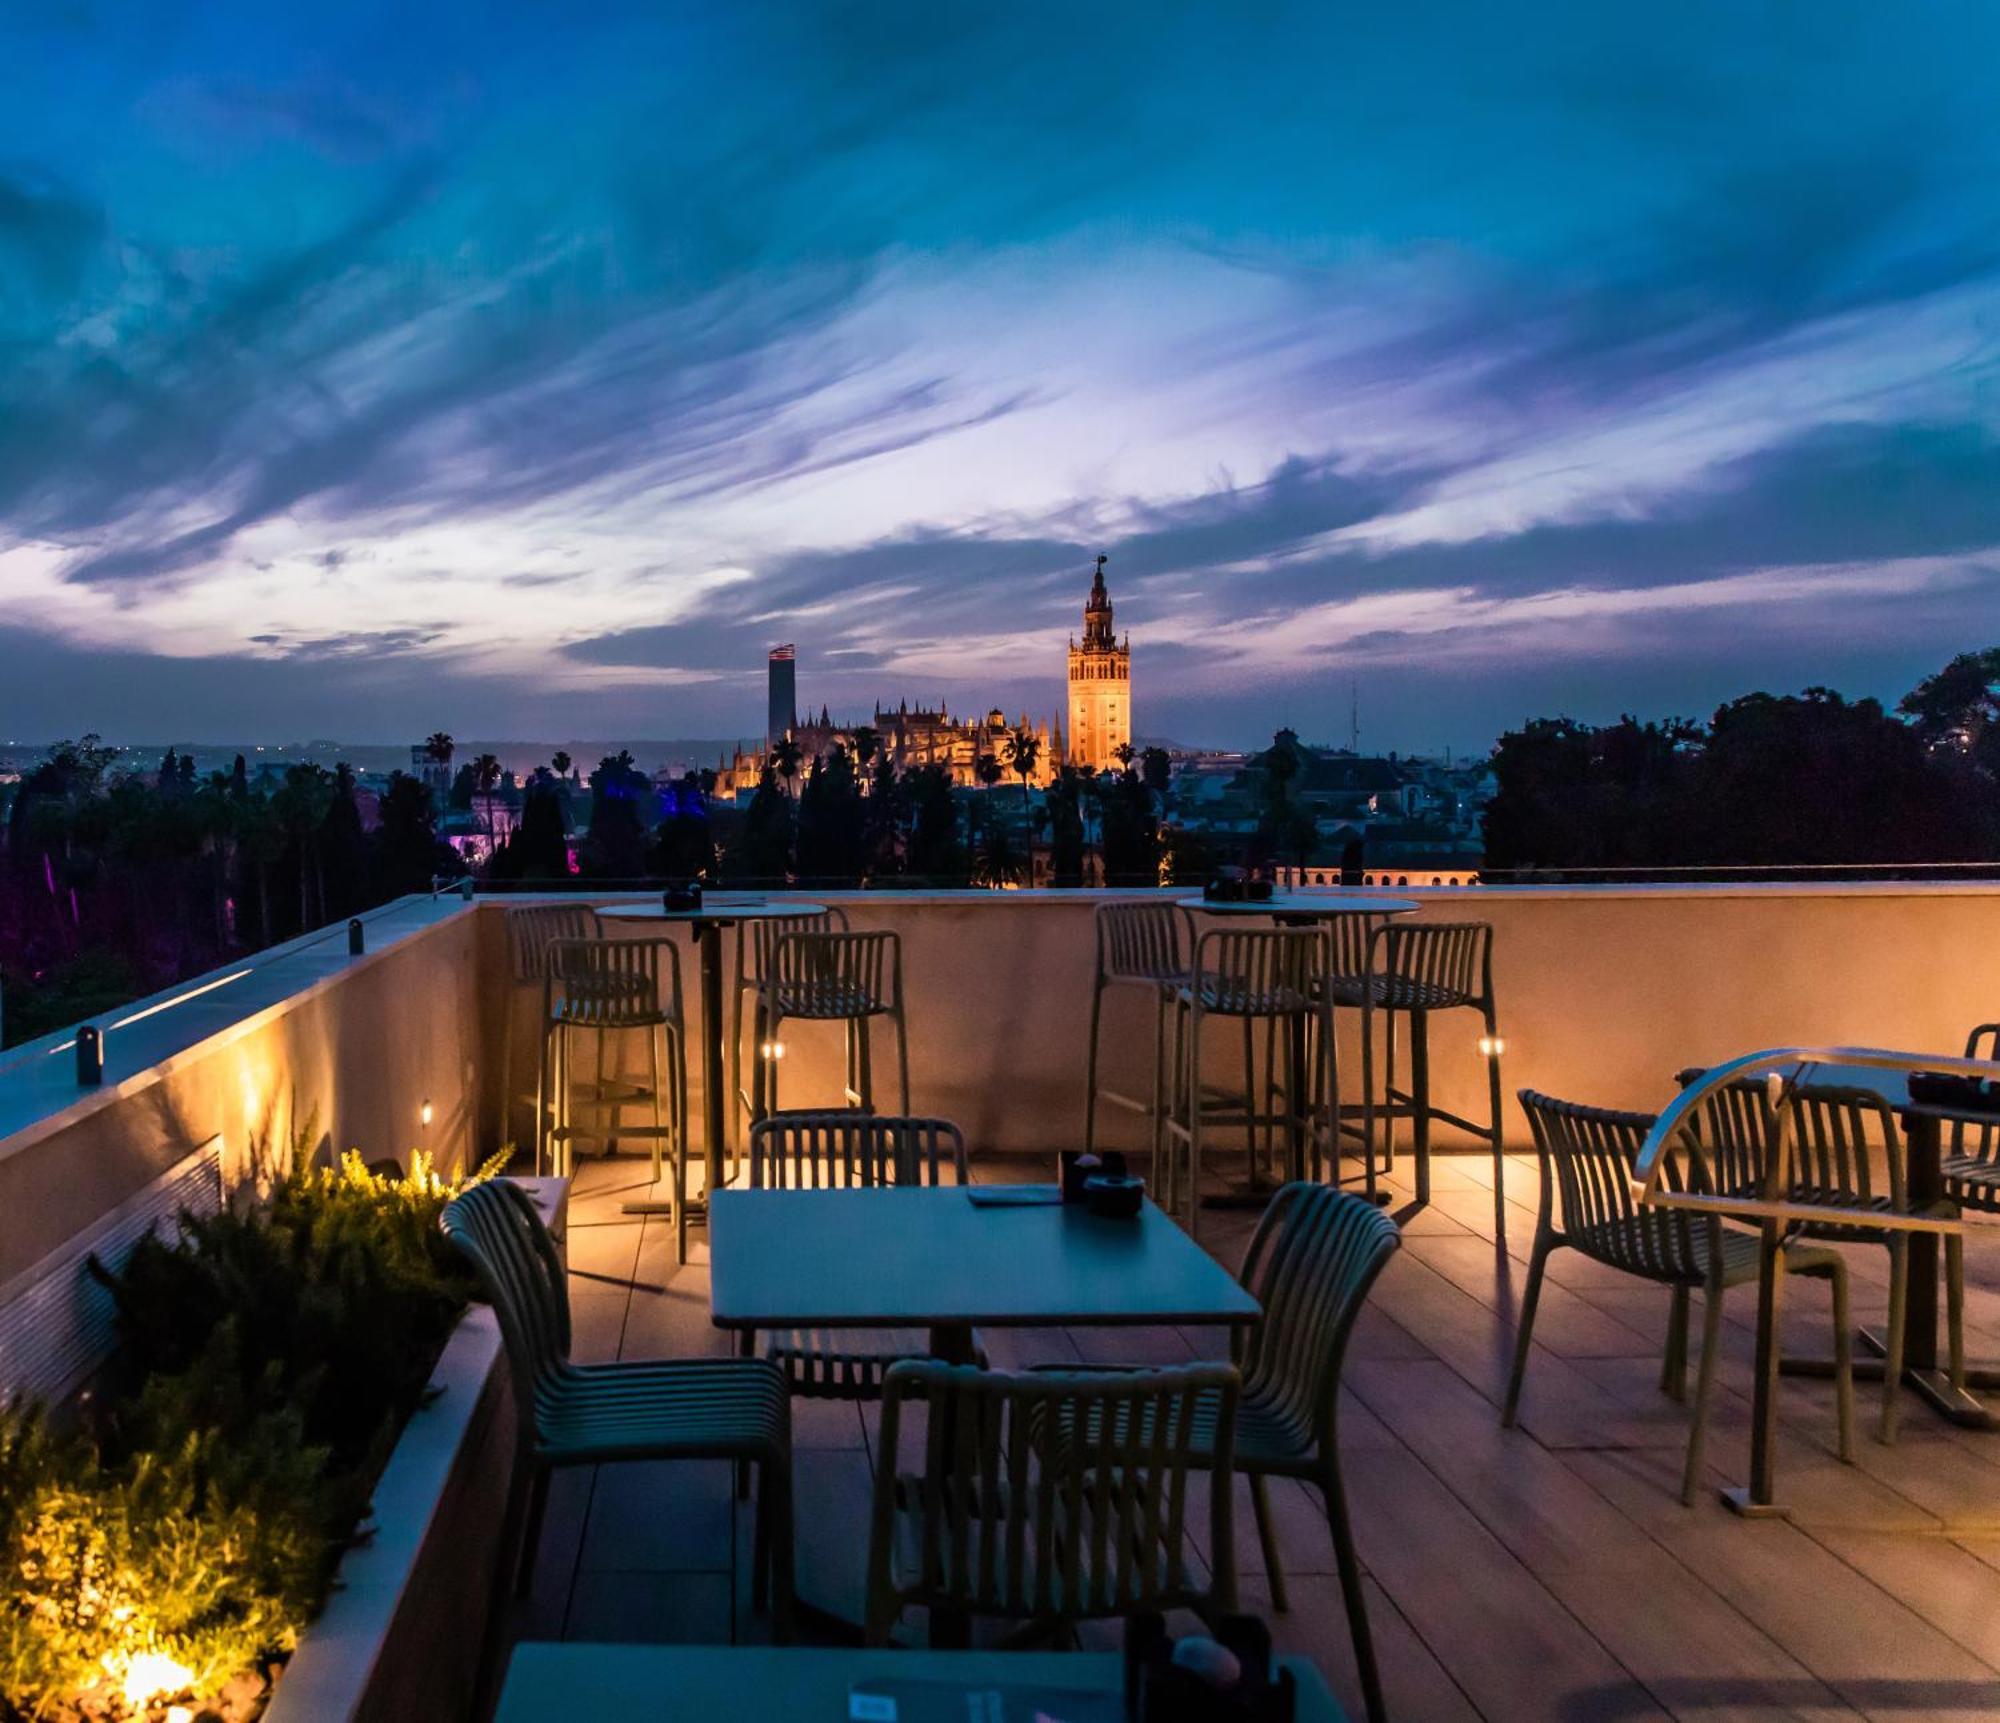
<point x="1161" y="1688"/>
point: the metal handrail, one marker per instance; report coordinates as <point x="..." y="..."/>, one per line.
<point x="1651" y="1185"/>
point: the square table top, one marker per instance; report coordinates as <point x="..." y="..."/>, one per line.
<point x="557" y="1683"/>
<point x="929" y="1257"/>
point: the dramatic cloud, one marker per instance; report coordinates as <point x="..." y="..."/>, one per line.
<point x="508" y="368"/>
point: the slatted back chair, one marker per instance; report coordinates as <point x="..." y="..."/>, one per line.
<point x="604" y="989"/>
<point x="1735" y="1132"/>
<point x="846" y="1151"/>
<point x="1242" y="977"/>
<point x="1416" y="969"/>
<point x="1315" y="1256"/>
<point x="1146" y="946"/>
<point x="1050" y="1498"/>
<point x="851" y="978"/>
<point x="1846" y="1152"/>
<point x="1847" y="1155"/>
<point x="590" y="1414"/>
<point x="1972" y="1152"/>
<point x="755" y="938"/>
<point x="1257" y="972"/>
<point x="1587" y="1155"/>
<point x="531" y="930"/>
<point x="615" y="983"/>
<point x="494" y="1226"/>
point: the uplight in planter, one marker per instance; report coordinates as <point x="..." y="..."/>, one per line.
<point x="149" y="1674"/>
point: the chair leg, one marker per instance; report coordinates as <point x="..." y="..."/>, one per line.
<point x="1195" y="1113"/>
<point x="1090" y="1070"/>
<point x="734" y="1134"/>
<point x="531" y="1531"/>
<point x="1420" y="1102"/>
<point x="1267" y="1534"/>
<point x="542" y="1096"/>
<point x="902" y="1053"/>
<point x="1498" y="1117"/>
<point x="1368" y="1097"/>
<point x="654" y="1036"/>
<point x="777" y="1508"/>
<point x="1954" y="1306"/>
<point x="677" y="1074"/>
<point x="1349" y="1568"/>
<point x="1525" y="1331"/>
<point x="1674" y="1365"/>
<point x="1159" y="1081"/>
<point x="1704" y="1388"/>
<point x="1892" y="1361"/>
<point x="864" y="1066"/>
<point x="1843" y="1362"/>
<point x="507" y="1070"/>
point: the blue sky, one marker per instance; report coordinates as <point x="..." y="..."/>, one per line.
<point x="528" y="370"/>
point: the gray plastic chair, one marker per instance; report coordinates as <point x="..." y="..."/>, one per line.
<point x="1049" y="1497"/>
<point x="590" y="1414"/>
<point x="847" y="978"/>
<point x="1142" y="946"/>
<point x="755" y="938"/>
<point x="532" y="930"/>
<point x="845" y="1151"/>
<point x="1587" y="1155"/>
<point x="1972" y="1153"/>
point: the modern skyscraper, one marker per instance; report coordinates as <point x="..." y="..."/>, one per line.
<point x="784" y="695"/>
<point x="1100" y="686"/>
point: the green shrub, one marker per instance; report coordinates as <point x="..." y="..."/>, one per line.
<point x="266" y="1360"/>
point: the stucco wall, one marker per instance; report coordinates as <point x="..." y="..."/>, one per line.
<point x="351" y="1055"/>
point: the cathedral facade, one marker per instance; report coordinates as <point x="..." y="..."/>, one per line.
<point x="1100" y="722"/>
<point x="1100" y="687"/>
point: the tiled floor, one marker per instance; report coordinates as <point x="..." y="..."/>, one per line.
<point x="1547" y="1572"/>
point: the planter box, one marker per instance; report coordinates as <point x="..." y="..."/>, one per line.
<point x="404" y="1631"/>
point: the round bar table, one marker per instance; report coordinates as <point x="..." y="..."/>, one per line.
<point x="708" y="922"/>
<point x="1292" y="909"/>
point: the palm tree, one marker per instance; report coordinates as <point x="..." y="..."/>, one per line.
<point x="1124" y="754"/>
<point x="438" y="746"/>
<point x="559" y="763"/>
<point x="1024" y="753"/>
<point x="787" y="757"/>
<point x="867" y="742"/>
<point x="485" y="779"/>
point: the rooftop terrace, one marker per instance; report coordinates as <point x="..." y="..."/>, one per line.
<point x="1548" y="1571"/>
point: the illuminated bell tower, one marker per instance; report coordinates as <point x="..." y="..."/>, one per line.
<point x="1100" y="686"/>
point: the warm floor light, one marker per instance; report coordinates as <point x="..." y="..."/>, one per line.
<point x="150" y="1673"/>
<point x="1492" y="1046"/>
<point x="424" y="1113"/>
<point x="772" y="1050"/>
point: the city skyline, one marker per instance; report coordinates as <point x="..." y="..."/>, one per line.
<point x="533" y="379"/>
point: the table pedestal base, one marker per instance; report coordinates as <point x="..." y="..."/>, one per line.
<point x="1929" y="1383"/>
<point x="1740" y="1503"/>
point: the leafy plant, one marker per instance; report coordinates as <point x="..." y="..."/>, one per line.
<point x="267" y="1357"/>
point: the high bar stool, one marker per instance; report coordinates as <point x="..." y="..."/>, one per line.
<point x="850" y="978"/>
<point x="1142" y="945"/>
<point x="1248" y="976"/>
<point x="754" y="940"/>
<point x="607" y="987"/>
<point x="1418" y="969"/>
<point x="531" y="930"/>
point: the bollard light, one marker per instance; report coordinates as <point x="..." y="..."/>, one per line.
<point x="357" y="940"/>
<point x="89" y="1056"/>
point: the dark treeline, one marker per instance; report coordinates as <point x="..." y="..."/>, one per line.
<point x="849" y="818"/>
<point x="1809" y="780"/>
<point x="112" y="886"/>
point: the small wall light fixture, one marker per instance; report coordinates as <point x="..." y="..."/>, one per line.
<point x="772" y="1050"/>
<point x="424" y="1113"/>
<point x="1492" y="1046"/>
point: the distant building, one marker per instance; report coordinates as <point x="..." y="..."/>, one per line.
<point x="434" y="775"/>
<point x="1100" y="686"/>
<point x="784" y="707"/>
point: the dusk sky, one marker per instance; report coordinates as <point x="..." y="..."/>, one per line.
<point x="529" y="369"/>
